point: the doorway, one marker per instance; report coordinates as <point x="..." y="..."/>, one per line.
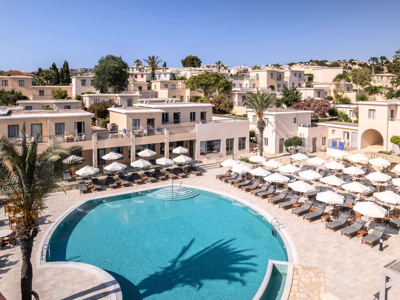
<point x="150" y="127"/>
<point x="314" y="144"/>
<point x="79" y="128"/>
<point x="354" y="138"/>
<point x="281" y="145"/>
<point x="229" y="146"/>
<point x="36" y="130"/>
<point x="191" y="148"/>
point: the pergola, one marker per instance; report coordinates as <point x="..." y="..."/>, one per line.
<point x="390" y="276"/>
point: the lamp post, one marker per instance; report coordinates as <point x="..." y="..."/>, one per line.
<point x="380" y="244"/>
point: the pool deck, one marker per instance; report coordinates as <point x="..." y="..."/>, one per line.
<point x="352" y="270"/>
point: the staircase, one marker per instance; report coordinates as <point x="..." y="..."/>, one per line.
<point x="172" y="193"/>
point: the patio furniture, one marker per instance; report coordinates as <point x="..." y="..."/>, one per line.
<point x="123" y="180"/>
<point x="170" y="174"/>
<point x="96" y="185"/>
<point x="342" y="221"/>
<point x="352" y="230"/>
<point x="192" y="170"/>
<point x="67" y="176"/>
<point x="233" y="176"/>
<point x="236" y="180"/>
<point x="374" y="237"/>
<point x="288" y="204"/>
<point x="159" y="175"/>
<point x="243" y="183"/>
<point x="111" y="183"/>
<point x="229" y="172"/>
<point x="8" y="240"/>
<point x="149" y="177"/>
<point x="82" y="187"/>
<point x="395" y="223"/>
<point x="303" y="209"/>
<point x="179" y="173"/>
<point x="278" y="198"/>
<point x="268" y="192"/>
<point x="262" y="189"/>
<point x="254" y="185"/>
<point x="136" y="178"/>
<point x="319" y="211"/>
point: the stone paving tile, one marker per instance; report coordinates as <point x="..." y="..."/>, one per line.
<point x="308" y="283"/>
<point x="351" y="270"/>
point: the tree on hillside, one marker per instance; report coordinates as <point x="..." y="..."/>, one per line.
<point x="153" y="62"/>
<point x="137" y="63"/>
<point x="259" y="102"/>
<point x="191" y="61"/>
<point x="222" y="104"/>
<point x="11" y="97"/>
<point x="383" y="59"/>
<point x="66" y="74"/>
<point x="164" y="64"/>
<point x="335" y="64"/>
<point x="26" y="179"/>
<point x="208" y="84"/>
<point x="290" y="96"/>
<point x="219" y="64"/>
<point x="362" y="77"/>
<point x="394" y="68"/>
<point x="256" y="67"/>
<point x="110" y="72"/>
<point x="48" y="76"/>
<point x="373" y="60"/>
<point x="56" y="79"/>
<point x="60" y="94"/>
<point x="277" y="66"/>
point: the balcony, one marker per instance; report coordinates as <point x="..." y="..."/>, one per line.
<point x="240" y="89"/>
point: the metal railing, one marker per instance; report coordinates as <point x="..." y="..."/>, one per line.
<point x="182" y="129"/>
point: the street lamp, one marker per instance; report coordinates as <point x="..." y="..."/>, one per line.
<point x="380" y="244"/>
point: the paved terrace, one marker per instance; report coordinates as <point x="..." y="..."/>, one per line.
<point x="352" y="270"/>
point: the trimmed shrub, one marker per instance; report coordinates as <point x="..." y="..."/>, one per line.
<point x="395" y="140"/>
<point x="385" y="152"/>
<point x="100" y="110"/>
<point x="355" y="121"/>
<point x="333" y="112"/>
<point x="349" y="121"/>
<point x="329" y="98"/>
<point x="104" y="123"/>
<point x="278" y="104"/>
<point x="78" y="97"/>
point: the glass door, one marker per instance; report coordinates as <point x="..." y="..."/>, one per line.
<point x="229" y="146"/>
<point x="36" y="130"/>
<point x="150" y="127"/>
<point x="79" y="128"/>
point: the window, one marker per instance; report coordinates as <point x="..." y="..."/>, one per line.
<point x="319" y="94"/>
<point x="295" y="74"/>
<point x="130" y="102"/>
<point x="272" y="75"/>
<point x="299" y="85"/>
<point x="348" y="89"/>
<point x="83" y="82"/>
<point x="279" y="76"/>
<point x="279" y="86"/>
<point x="203" y="116"/>
<point x="254" y="86"/>
<point x="173" y="97"/>
<point x="140" y="88"/>
<point x="381" y="78"/>
<point x="119" y="150"/>
<point x="242" y="143"/>
<point x="292" y="84"/>
<point x="234" y="85"/>
<point x="266" y="141"/>
<point x="299" y="75"/>
<point x="41" y="92"/>
<point x="346" y="135"/>
<point x="254" y="119"/>
<point x="111" y="100"/>
<point x="165" y="118"/>
<point x="266" y="121"/>
<point x="96" y="100"/>
<point x="351" y="113"/>
<point x="67" y="106"/>
<point x="13" y="131"/>
<point x="371" y="114"/>
<point x="181" y="98"/>
<point x="243" y="98"/>
<point x="135" y="75"/>
<point x="333" y="131"/>
<point x="91" y="82"/>
<point x="136" y="124"/>
<point x="142" y="76"/>
<point x="303" y="142"/>
<point x="28" y="108"/>
<point x="22" y="83"/>
<point x="4" y="82"/>
<point x="173" y="87"/>
<point x="209" y="147"/>
<point x="60" y="128"/>
<point x="323" y="141"/>
<point x="294" y="120"/>
<point x="240" y="85"/>
<point x="177" y="118"/>
<point x="192" y="117"/>
<point x="165" y="86"/>
<point x="256" y="76"/>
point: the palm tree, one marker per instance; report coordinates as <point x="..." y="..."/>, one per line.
<point x="383" y="59"/>
<point x="373" y="60"/>
<point x="27" y="177"/>
<point x="48" y="75"/>
<point x="153" y="62"/>
<point x="256" y="67"/>
<point x="259" y="102"/>
<point x="218" y="64"/>
<point x="137" y="63"/>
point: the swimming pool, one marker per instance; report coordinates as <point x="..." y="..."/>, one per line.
<point x="205" y="247"/>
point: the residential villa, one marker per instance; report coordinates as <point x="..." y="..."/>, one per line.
<point x="382" y="80"/>
<point x="49" y="104"/>
<point x="82" y="84"/>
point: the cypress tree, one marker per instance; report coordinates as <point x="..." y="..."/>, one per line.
<point x="62" y="79"/>
<point x="67" y="77"/>
<point x="57" y="74"/>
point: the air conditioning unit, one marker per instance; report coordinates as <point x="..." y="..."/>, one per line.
<point x="112" y="127"/>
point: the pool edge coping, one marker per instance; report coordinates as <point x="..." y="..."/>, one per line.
<point x="112" y="285"/>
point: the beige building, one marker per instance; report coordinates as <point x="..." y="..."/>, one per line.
<point x="82" y="84"/>
<point x="118" y="99"/>
<point x="50" y="104"/>
<point x="382" y="80"/>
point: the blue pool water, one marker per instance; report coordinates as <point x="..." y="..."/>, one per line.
<point x="204" y="247"/>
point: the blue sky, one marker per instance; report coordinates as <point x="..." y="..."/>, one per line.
<point x="38" y="33"/>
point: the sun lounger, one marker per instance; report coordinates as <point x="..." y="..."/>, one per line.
<point x="236" y="180"/>
<point x="352" y="230"/>
<point x="278" y="198"/>
<point x="318" y="213"/>
<point x="346" y="203"/>
<point x="303" y="209"/>
<point x="169" y="174"/>
<point x="341" y="221"/>
<point x="96" y="185"/>
<point x="395" y="223"/>
<point x="233" y="176"/>
<point x="149" y="177"/>
<point x="159" y="175"/>
<point x="229" y="172"/>
<point x="192" y="170"/>
<point x="123" y="181"/>
<point x="136" y="178"/>
<point x="369" y="192"/>
<point x="82" y="187"/>
<point x="313" y="194"/>
<point x="268" y="192"/>
<point x="67" y="176"/>
<point x="262" y="189"/>
<point x="243" y="183"/>
<point x="288" y="204"/>
<point x="373" y="238"/>
<point x="178" y="172"/>
<point x="252" y="186"/>
<point x="111" y="183"/>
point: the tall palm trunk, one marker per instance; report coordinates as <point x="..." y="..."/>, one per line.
<point x="260" y="128"/>
<point x="373" y="68"/>
<point x="27" y="231"/>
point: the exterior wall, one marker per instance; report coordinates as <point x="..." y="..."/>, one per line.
<point x="348" y="109"/>
<point x="48" y="91"/>
<point x="59" y="104"/>
<point x="323" y="74"/>
<point x="13" y="83"/>
<point x="294" y="78"/>
<point x="382" y="80"/>
<point x="308" y="133"/>
<point x="313" y="93"/>
<point x="78" y="88"/>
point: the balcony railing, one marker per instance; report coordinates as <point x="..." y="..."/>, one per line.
<point x="241" y="89"/>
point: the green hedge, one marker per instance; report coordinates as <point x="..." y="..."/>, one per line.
<point x="395" y="140"/>
<point x="385" y="152"/>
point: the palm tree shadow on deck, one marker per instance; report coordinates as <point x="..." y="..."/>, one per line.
<point x="219" y="261"/>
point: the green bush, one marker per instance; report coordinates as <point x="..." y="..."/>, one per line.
<point x="252" y="133"/>
<point x="60" y="94"/>
<point x="100" y="110"/>
<point x="355" y="121"/>
<point x="343" y="116"/>
<point x="344" y="100"/>
<point x="395" y="140"/>
<point x="361" y="97"/>
<point x="242" y="116"/>
<point x="314" y="118"/>
<point x="104" y="123"/>
<point x="349" y="121"/>
<point x="333" y="112"/>
<point x="329" y="98"/>
<point x="44" y="107"/>
<point x="278" y="104"/>
<point x="194" y="98"/>
<point x="181" y="78"/>
<point x="88" y="92"/>
<point x="78" y="97"/>
<point x="385" y="152"/>
<point x="244" y="158"/>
